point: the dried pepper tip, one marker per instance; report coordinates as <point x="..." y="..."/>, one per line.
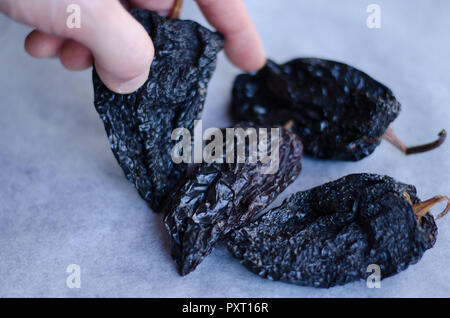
<point x="176" y="11"/>
<point x="390" y="136"/>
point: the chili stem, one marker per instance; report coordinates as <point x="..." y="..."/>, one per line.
<point x="176" y="11"/>
<point x="422" y="208"/>
<point x="390" y="136"/>
<point x="288" y="125"/>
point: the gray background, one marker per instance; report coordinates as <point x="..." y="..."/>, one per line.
<point x="64" y="199"/>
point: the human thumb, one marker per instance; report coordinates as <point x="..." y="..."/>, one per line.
<point x="121" y="47"/>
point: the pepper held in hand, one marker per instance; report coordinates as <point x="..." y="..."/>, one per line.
<point x="140" y="125"/>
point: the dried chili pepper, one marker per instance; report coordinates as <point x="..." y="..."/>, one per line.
<point x="220" y="196"/>
<point x="329" y="235"/>
<point x="338" y="111"/>
<point x="139" y="125"/>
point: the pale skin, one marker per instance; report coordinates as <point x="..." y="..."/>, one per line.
<point x="118" y="46"/>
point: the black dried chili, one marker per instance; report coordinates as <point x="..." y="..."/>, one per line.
<point x="330" y="234"/>
<point x="218" y="197"/>
<point x="139" y="125"/>
<point x="338" y="111"/>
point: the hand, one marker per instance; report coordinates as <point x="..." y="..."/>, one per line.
<point x="118" y="45"/>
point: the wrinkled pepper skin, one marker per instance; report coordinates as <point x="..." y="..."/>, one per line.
<point x="221" y="196"/>
<point x="339" y="112"/>
<point x="139" y="125"/>
<point x="328" y="235"/>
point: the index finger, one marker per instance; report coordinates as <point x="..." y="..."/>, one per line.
<point x="243" y="45"/>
